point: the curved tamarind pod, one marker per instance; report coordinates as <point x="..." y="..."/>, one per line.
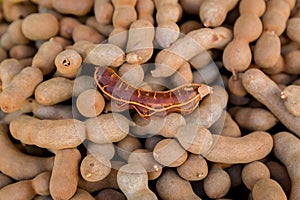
<point x="183" y="99"/>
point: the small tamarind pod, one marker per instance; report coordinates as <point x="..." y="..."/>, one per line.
<point x="235" y="85"/>
<point x="276" y="16"/>
<point x="217" y="127"/>
<point x="183" y="75"/>
<point x="207" y="75"/>
<point x="15" y="10"/>
<point x="118" y="37"/>
<point x="267" y="188"/>
<point x="279" y="173"/>
<point x="170" y="124"/>
<point x="107" y="128"/>
<point x="292" y="29"/>
<point x="106" y="55"/>
<point x="170" y="183"/>
<point x="242" y="28"/>
<point x="65" y="43"/>
<point x="22" y="51"/>
<point x="133" y="181"/>
<point x="251" y="147"/>
<point x="230" y="127"/>
<point x="53" y="91"/>
<point x="95" y="167"/>
<point x="243" y="35"/>
<point x="235" y="173"/>
<point x="103" y="10"/>
<point x="168" y="152"/>
<point x="151" y="142"/>
<point x="292" y="61"/>
<point x="217" y="183"/>
<point x="68" y="63"/>
<point x="66" y="26"/>
<point x="212" y="13"/>
<point x="110" y="194"/>
<point x="195" y="139"/>
<point x="244" y="56"/>
<point x="145" y="9"/>
<point x="8" y="69"/>
<point x="267" y="92"/>
<point x="64" y="176"/>
<point x="145" y="158"/>
<point x="202" y="59"/>
<point x="194" y="168"/>
<point x="164" y="126"/>
<point x="83" y="83"/>
<point x="239" y="100"/>
<point x="254" y="171"/>
<point x="65" y="133"/>
<point x="283" y="78"/>
<point x="189" y="26"/>
<point x="26" y="108"/>
<point x="132" y="73"/>
<point x="15" y="33"/>
<point x="109" y="182"/>
<point x="5" y="42"/>
<point x="290" y="97"/>
<point x="57" y="111"/>
<point x="40" y="26"/>
<point x="34" y="165"/>
<point x="127" y="145"/>
<point x="169" y="60"/>
<point x="290" y="46"/>
<point x="140" y="49"/>
<point x="27" y="189"/>
<point x="191" y="6"/>
<point x="153" y="127"/>
<point x="255" y="119"/>
<point x="103" y="29"/>
<point x="168" y="13"/>
<point x="94" y="107"/>
<point x="85" y="32"/>
<point x="107" y="150"/>
<point x="82" y="194"/>
<point x="166" y="34"/>
<point x="267" y="58"/>
<point x="289" y="156"/>
<point x="277" y="11"/>
<point x="124" y="14"/>
<point x="45" y="56"/>
<point x="78" y="8"/>
<point x="19" y="89"/>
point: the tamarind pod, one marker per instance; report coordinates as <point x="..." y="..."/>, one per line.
<point x="147" y="103"/>
<point x="54" y="134"/>
<point x="262" y="88"/>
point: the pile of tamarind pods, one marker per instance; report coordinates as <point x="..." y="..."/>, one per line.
<point x="221" y="76"/>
